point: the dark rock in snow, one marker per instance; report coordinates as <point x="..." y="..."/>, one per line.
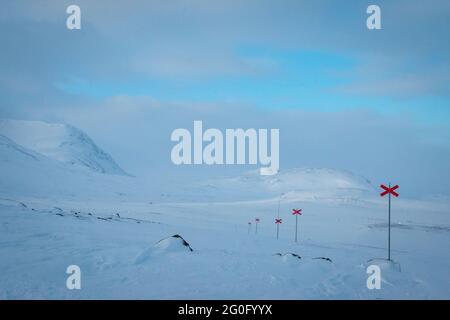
<point x="294" y="255"/>
<point x="177" y="237"/>
<point x="323" y="258"/>
<point x="288" y="254"/>
<point x="170" y="245"/>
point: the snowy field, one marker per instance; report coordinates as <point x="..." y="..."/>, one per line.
<point x="55" y="213"/>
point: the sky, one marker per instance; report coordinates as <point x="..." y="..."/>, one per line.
<point x="376" y="102"/>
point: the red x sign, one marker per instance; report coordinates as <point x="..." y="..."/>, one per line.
<point x="297" y="211"/>
<point x="257" y="219"/>
<point x="388" y="190"/>
<point x="277" y="221"/>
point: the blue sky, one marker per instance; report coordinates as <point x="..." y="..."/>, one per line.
<point x="140" y="65"/>
<point x="294" y="79"/>
<point x="303" y="79"/>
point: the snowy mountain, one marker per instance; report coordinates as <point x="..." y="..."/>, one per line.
<point x="12" y="152"/>
<point x="60" y="142"/>
<point x="25" y="172"/>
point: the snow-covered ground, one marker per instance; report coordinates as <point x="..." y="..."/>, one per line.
<point x="54" y="214"/>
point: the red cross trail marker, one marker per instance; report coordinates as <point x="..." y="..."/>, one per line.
<point x="296" y="213"/>
<point x="278" y="221"/>
<point x="256" y="225"/>
<point x="389" y="191"/>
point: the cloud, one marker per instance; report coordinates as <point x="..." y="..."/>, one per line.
<point x="170" y="39"/>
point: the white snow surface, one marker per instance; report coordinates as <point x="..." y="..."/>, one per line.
<point x="118" y="230"/>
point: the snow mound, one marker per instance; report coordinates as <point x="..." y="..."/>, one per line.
<point x="385" y="265"/>
<point x="173" y="244"/>
<point x="60" y="142"/>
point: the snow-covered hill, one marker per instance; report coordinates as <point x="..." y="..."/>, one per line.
<point x="60" y="142"/>
<point x="306" y="179"/>
<point x="298" y="183"/>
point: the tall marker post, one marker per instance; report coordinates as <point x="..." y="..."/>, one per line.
<point x="249" y="227"/>
<point x="278" y="221"/>
<point x="296" y="213"/>
<point x="388" y="191"/>
<point x="256" y="225"/>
